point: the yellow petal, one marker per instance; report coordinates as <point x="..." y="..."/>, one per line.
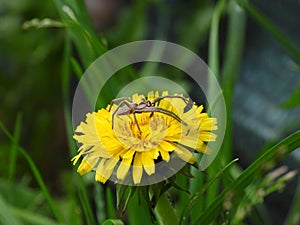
<point x="86" y="166"/>
<point x="190" y="141"/>
<point x="209" y="124"/>
<point x="204" y="149"/>
<point x="105" y="169"/>
<point x="185" y="154"/>
<point x="200" y="109"/>
<point x="167" y="146"/>
<point x="99" y="172"/>
<point x="207" y="136"/>
<point x="123" y="168"/>
<point x="76" y="158"/>
<point x="137" y="168"/>
<point x="128" y="154"/>
<point x="164" y="155"/>
<point x="148" y="162"/>
<point x="100" y="152"/>
<point x="151" y="95"/>
<point x="137" y="98"/>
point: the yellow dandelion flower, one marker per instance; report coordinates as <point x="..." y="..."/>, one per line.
<point x="131" y="146"/>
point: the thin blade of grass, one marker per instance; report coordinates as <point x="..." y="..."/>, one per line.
<point x="164" y="212"/>
<point x="66" y="80"/>
<point x="232" y="59"/>
<point x="213" y="49"/>
<point x="100" y="201"/>
<point x="213" y="63"/>
<point x="137" y="212"/>
<point x="110" y="205"/>
<point x="293" y="216"/>
<point x="14" y="148"/>
<point x="84" y="200"/>
<point x="65" y="86"/>
<point x="283" y="148"/>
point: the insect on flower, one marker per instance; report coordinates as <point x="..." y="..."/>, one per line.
<point x="127" y="106"/>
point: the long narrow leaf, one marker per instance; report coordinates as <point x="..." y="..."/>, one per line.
<point x="85" y="204"/>
<point x="213" y="63"/>
<point x="164" y="213"/>
<point x="232" y="59"/>
<point x="293" y="217"/>
<point x="14" y="148"/>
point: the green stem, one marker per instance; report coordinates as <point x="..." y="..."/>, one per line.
<point x="14" y="148"/>
<point x="293" y="216"/>
<point x="213" y="62"/>
<point x="213" y="48"/>
<point x="164" y="212"/>
<point x="232" y="60"/>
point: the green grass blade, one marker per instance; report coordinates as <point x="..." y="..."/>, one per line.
<point x="271" y="28"/>
<point x="232" y="59"/>
<point x="66" y="79"/>
<point x="100" y="201"/>
<point x="14" y="148"/>
<point x="281" y="149"/>
<point x="78" y="23"/>
<point x="84" y="200"/>
<point x="213" y="49"/>
<point x="110" y="205"/>
<point x="164" y="212"/>
<point x="137" y="212"/>
<point x="213" y="63"/>
<point x="293" y="216"/>
<point x="293" y="100"/>
<point x="36" y="174"/>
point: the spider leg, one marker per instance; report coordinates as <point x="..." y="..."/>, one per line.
<point x="121" y="99"/>
<point x="188" y="106"/>
<point x="189" y="102"/>
<point x="119" y="108"/>
<point x="164" y="111"/>
<point x="135" y="120"/>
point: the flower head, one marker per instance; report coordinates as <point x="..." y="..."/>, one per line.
<point x="130" y="145"/>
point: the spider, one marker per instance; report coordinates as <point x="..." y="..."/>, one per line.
<point x="131" y="107"/>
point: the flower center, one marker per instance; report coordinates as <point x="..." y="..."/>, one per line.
<point x="146" y="134"/>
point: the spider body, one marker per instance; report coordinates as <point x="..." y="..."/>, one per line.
<point x="127" y="107"/>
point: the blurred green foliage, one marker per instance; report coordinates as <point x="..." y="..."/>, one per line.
<point x="30" y="74"/>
